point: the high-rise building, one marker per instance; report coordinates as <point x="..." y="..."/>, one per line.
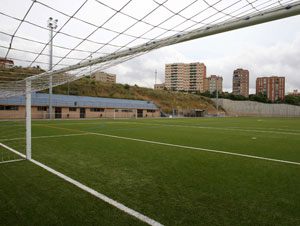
<point x="188" y="77"/>
<point x="273" y="87"/>
<point x="240" y="82"/>
<point x="212" y="83"/>
<point x="104" y="77"/>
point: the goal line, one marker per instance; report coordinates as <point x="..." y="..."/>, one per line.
<point x="83" y="187"/>
<point x="20" y="156"/>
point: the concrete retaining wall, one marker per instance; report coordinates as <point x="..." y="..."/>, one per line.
<point x="251" y="108"/>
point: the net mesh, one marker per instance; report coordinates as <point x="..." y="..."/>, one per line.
<point x="94" y="35"/>
<point x="12" y="135"/>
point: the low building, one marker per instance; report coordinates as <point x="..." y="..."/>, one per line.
<point x="159" y="86"/>
<point x="4" y="62"/>
<point x="104" y="77"/>
<point x="273" y="87"/>
<point x="212" y="83"/>
<point x="294" y="93"/>
<point x="73" y="107"/>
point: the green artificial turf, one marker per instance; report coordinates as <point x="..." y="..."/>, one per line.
<point x="172" y="185"/>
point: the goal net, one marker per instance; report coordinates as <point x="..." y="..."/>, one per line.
<point x="12" y="136"/>
<point x="95" y="35"/>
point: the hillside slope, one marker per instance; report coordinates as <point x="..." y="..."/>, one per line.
<point x="17" y="73"/>
<point x="166" y="100"/>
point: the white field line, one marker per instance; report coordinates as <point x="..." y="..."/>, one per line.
<point x="242" y="129"/>
<point x="13" y="150"/>
<point x="221" y="128"/>
<point x="278" y="129"/>
<point x="164" y="125"/>
<point x="246" y="129"/>
<point x="199" y="149"/>
<point x="14" y="160"/>
<point x="93" y="192"/>
<point x="51" y="136"/>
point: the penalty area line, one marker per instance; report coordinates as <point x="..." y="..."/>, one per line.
<point x="185" y="147"/>
<point x="199" y="149"/>
<point x="93" y="192"/>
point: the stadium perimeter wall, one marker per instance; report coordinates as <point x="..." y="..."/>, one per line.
<point x="252" y="108"/>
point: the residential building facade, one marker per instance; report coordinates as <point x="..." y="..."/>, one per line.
<point x="273" y="87"/>
<point x="213" y="83"/>
<point x="240" y="82"/>
<point x="187" y="77"/>
<point x="104" y="77"/>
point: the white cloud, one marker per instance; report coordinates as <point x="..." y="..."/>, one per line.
<point x="282" y="59"/>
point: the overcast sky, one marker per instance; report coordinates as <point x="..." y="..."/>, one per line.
<point x="270" y="49"/>
<point x="265" y="50"/>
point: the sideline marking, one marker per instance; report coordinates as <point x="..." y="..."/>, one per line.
<point x="93" y="192"/>
<point x="186" y="147"/>
<point x="220" y="128"/>
<point x="284" y="131"/>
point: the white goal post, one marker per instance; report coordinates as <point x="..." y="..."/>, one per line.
<point x="87" y="67"/>
<point x="28" y="119"/>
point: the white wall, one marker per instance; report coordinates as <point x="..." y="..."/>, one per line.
<point x="251" y="108"/>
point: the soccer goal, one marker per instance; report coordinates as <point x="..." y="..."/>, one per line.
<point x="15" y="133"/>
<point x="106" y="45"/>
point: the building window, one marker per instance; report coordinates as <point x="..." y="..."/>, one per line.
<point x="72" y="109"/>
<point x="41" y="108"/>
<point x="97" y="109"/>
<point x="126" y="110"/>
<point x="9" y="108"/>
<point x="150" y="111"/>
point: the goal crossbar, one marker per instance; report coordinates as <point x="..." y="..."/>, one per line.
<point x="77" y="71"/>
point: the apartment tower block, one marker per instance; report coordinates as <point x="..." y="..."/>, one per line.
<point x="273" y="87"/>
<point x="212" y="83"/>
<point x="187" y="77"/>
<point x="240" y="82"/>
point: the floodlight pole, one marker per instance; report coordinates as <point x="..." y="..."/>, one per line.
<point x="91" y="66"/>
<point x="52" y="24"/>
